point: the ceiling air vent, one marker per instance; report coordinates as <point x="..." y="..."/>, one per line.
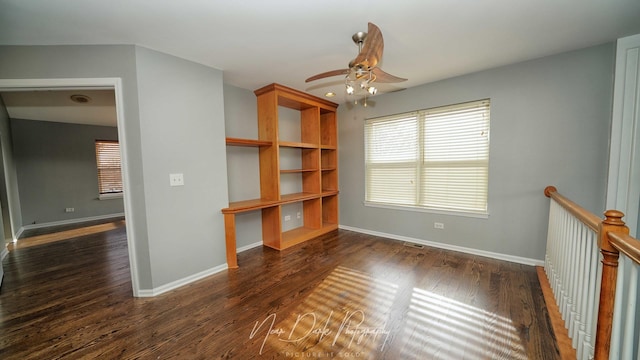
<point x="414" y="245"/>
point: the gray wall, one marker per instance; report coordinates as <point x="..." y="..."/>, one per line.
<point x="550" y="122"/>
<point x="56" y="165"/>
<point x="182" y="123"/>
<point x="243" y="165"/>
<point x="9" y="175"/>
<point x="174" y="122"/>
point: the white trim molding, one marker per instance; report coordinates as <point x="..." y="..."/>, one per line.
<point x="4" y="252"/>
<point x="58" y="84"/>
<point x="623" y="185"/>
<point x="181" y="282"/>
<point x="249" y="247"/>
<point x="489" y="254"/>
<point x="110" y="196"/>
<point x="70" y="221"/>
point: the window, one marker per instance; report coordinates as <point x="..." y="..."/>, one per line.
<point x="434" y="159"/>
<point x="109" y="172"/>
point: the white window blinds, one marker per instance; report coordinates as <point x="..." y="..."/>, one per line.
<point x="433" y="159"/>
<point x="109" y="167"/>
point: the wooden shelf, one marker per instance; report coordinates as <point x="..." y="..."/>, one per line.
<point x="300" y="145"/>
<point x="298" y="235"/>
<point x="328" y="147"/>
<point x="291" y="171"/>
<point x="302" y="234"/>
<point x="247" y="142"/>
<point x="257" y="204"/>
<point x="297" y="197"/>
<point x="248" y="205"/>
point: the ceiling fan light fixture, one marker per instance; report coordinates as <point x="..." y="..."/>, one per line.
<point x="350" y="89"/>
<point x="363" y="70"/>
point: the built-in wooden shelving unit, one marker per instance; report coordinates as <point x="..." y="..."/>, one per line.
<point x="318" y="147"/>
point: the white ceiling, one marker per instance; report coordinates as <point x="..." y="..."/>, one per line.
<point x="57" y="106"/>
<point x="257" y="42"/>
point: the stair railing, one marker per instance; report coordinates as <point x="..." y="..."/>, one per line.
<point x="592" y="265"/>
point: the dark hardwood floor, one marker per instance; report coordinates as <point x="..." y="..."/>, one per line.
<point x="343" y="295"/>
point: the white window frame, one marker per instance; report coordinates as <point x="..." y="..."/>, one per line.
<point x="397" y="149"/>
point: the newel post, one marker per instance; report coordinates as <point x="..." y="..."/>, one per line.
<point x="612" y="223"/>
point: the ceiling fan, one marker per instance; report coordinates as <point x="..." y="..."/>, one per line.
<point x="363" y="70"/>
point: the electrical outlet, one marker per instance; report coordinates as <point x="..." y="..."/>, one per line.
<point x="176" y="179"/>
<point x="438" y="225"/>
<point x="69" y="210"/>
<point x="298" y="215"/>
<point x="287" y="217"/>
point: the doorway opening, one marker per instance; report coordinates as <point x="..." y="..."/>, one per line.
<point x="87" y="84"/>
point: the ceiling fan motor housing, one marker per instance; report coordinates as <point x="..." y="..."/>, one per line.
<point x="359" y="38"/>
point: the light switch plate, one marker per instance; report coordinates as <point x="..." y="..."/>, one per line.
<point x="176" y="179"/>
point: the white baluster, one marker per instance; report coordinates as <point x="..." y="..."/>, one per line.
<point x="618" y="310"/>
<point x="629" y="310"/>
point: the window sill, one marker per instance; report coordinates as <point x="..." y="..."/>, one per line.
<point x="110" y="196"/>
<point x="428" y="210"/>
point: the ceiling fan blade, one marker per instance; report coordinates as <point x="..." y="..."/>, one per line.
<point x="372" y="49"/>
<point x="328" y="74"/>
<point x="383" y="77"/>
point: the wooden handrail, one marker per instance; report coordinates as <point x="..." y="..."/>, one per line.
<point x="588" y="218"/>
<point x="620" y="241"/>
<point x="627" y="245"/>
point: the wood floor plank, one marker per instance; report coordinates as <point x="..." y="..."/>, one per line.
<point x="341" y="295"/>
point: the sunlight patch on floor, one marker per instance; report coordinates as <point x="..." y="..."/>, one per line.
<point x="441" y="328"/>
<point x="344" y="316"/>
<point x="63" y="235"/>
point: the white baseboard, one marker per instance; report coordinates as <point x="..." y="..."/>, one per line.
<point x="67" y="222"/>
<point x="195" y="277"/>
<point x="248" y="247"/>
<point x="4" y="252"/>
<point x="181" y="282"/>
<point x="489" y="254"/>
